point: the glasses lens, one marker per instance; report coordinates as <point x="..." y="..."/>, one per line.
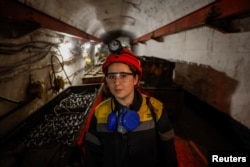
<point x="121" y="76"/>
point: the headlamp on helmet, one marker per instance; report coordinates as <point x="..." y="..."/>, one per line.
<point x="121" y="55"/>
<point x="115" y="47"/>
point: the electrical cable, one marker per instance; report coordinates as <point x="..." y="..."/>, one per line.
<point x="21" y="67"/>
<point x="62" y="66"/>
<point x="38" y="49"/>
<point x="15" y="48"/>
<point x="10" y="100"/>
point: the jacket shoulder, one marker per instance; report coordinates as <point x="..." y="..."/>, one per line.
<point x="156" y="104"/>
<point x="103" y="108"/>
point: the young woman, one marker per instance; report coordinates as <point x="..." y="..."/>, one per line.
<point x="129" y="128"/>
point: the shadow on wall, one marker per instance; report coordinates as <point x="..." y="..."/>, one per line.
<point x="204" y="82"/>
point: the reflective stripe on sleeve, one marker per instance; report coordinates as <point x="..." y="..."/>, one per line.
<point x="145" y="126"/>
<point x="102" y="127"/>
<point x="92" y="138"/>
<point x="167" y="135"/>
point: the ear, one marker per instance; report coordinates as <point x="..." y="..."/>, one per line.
<point x="105" y="81"/>
<point x="136" y="79"/>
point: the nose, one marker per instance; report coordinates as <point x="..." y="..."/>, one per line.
<point x="117" y="80"/>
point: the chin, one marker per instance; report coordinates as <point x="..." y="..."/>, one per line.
<point x="119" y="96"/>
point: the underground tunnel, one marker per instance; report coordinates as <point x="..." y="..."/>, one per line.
<point x="194" y="56"/>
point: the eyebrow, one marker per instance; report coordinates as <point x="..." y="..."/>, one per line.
<point x="130" y="73"/>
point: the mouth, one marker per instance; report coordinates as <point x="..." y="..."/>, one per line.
<point x="118" y="90"/>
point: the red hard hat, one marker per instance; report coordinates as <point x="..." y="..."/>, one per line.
<point x="127" y="57"/>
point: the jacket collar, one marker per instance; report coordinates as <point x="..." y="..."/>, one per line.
<point x="136" y="103"/>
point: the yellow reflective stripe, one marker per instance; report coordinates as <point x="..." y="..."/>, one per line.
<point x="104" y="109"/>
<point x="167" y="135"/>
<point x="157" y="105"/>
<point x="144" y="114"/>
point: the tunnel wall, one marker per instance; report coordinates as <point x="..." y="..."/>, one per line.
<point x="211" y="65"/>
<point x="24" y="68"/>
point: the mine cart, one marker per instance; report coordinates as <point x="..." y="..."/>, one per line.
<point x="53" y="135"/>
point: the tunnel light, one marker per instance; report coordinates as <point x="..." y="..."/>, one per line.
<point x="88" y="61"/>
<point x="65" y="50"/>
<point x="98" y="46"/>
<point x="87" y="45"/>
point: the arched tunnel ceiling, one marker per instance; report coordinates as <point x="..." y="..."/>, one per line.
<point x="140" y="20"/>
<point x="132" y="18"/>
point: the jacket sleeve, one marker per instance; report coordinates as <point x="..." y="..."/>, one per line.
<point x="166" y="141"/>
<point x="92" y="145"/>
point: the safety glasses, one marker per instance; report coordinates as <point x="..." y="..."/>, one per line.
<point x="122" y="77"/>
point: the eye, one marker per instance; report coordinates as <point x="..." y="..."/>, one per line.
<point x="123" y="76"/>
<point x="111" y="76"/>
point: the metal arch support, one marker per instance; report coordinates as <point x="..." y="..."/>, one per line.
<point x="213" y="15"/>
<point x="17" y="12"/>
